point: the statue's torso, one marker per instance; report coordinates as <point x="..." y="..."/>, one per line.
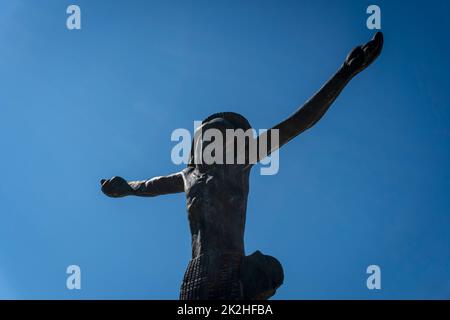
<point x="216" y="205"/>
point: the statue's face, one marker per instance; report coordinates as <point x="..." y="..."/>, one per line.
<point x="210" y="142"/>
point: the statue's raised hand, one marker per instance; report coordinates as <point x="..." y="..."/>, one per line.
<point x="116" y="187"/>
<point x="362" y="56"/>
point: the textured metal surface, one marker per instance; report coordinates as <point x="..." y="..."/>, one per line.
<point x="213" y="277"/>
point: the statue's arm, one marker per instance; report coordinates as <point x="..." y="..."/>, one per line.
<point x="313" y="110"/>
<point x="118" y="187"/>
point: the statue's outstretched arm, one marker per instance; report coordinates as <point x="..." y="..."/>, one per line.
<point x="118" y="187"/>
<point x="311" y="112"/>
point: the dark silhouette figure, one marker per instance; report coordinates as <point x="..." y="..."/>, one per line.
<point x="217" y="198"/>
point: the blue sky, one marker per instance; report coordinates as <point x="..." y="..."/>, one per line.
<point x="369" y="184"/>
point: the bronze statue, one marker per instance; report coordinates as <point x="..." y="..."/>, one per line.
<point x="217" y="199"/>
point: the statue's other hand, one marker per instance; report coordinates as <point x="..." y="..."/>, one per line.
<point x="362" y="56"/>
<point x="115" y="187"/>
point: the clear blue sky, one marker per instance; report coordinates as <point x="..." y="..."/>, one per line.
<point x="369" y="184"/>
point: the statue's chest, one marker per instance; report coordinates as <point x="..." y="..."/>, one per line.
<point x="205" y="187"/>
<point x="213" y="195"/>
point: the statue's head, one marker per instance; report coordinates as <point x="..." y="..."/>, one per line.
<point x="206" y="134"/>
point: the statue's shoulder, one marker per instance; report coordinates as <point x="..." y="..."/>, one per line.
<point x="187" y="174"/>
<point x="187" y="171"/>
